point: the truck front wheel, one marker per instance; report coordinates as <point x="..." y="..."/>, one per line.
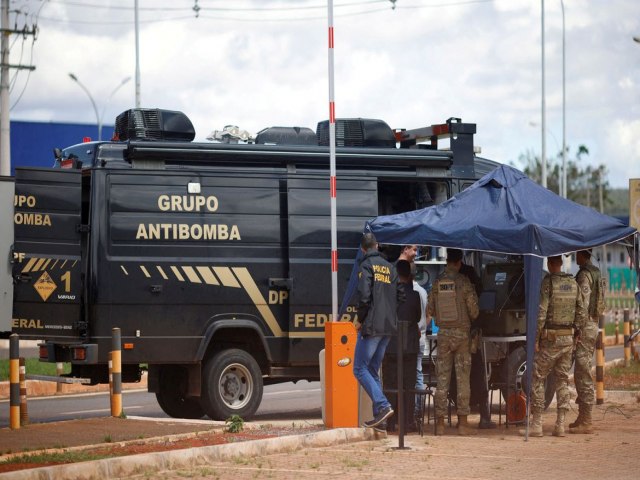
<point x="232" y="385"/>
<point x="171" y="394"/>
<point x="516" y="375"/>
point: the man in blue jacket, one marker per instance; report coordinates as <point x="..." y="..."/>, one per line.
<point x="378" y="296"/>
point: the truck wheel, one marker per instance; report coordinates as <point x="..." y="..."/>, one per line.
<point x="232" y="385"/>
<point x="516" y="375"/>
<point x="171" y="394"/>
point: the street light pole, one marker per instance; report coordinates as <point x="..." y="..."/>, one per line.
<point x="564" y="112"/>
<point x="86" y="90"/>
<point x="93" y="103"/>
<point x="104" y="108"/>
<point x="543" y="128"/>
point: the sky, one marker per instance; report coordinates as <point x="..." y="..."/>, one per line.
<point x="261" y="63"/>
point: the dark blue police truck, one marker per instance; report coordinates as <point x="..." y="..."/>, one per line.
<point x="212" y="258"/>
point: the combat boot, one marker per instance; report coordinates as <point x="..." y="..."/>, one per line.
<point x="464" y="428"/>
<point x="485" y="416"/>
<point x="580" y="418"/>
<point x="440" y="426"/>
<point x="535" y="426"/>
<point x="586" y="426"/>
<point x="558" y="430"/>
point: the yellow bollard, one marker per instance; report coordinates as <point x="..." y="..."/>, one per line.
<point x="59" y="372"/>
<point x="600" y="363"/>
<point x="116" y="373"/>
<point x="617" y="331"/>
<point x="24" y="414"/>
<point x="626" y="331"/>
<point x="14" y="382"/>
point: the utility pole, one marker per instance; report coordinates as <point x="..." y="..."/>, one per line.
<point x="5" y="125"/>
<point x="137" y="54"/>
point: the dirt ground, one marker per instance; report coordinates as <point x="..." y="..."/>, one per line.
<point x="501" y="454"/>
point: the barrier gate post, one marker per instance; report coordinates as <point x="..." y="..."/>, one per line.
<point x="341" y="387"/>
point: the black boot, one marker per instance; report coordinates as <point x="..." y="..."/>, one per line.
<point x="485" y="416"/>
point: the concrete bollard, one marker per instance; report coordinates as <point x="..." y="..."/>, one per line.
<point x="24" y="414"/>
<point x="59" y="372"/>
<point x="14" y="382"/>
<point x="617" y="331"/>
<point x="600" y="363"/>
<point x="626" y="332"/>
<point x="116" y="373"/>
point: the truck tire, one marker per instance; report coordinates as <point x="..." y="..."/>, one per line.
<point x="516" y="375"/>
<point x="232" y="385"/>
<point x="171" y="394"/>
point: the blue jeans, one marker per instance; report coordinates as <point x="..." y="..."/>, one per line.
<point x="366" y="365"/>
<point x="419" y="377"/>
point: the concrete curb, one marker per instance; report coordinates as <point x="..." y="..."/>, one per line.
<point x="146" y="463"/>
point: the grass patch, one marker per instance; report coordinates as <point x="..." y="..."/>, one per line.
<point x="51" y="458"/>
<point x="623" y="378"/>
<point x="33" y="366"/>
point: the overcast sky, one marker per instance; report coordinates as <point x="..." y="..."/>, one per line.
<point x="259" y="63"/>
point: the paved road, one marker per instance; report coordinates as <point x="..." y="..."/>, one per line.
<point x="283" y="401"/>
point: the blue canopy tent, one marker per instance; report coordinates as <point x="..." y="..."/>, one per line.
<point x="504" y="212"/>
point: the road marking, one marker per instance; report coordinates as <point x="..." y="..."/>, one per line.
<point x="100" y="410"/>
<point x="287" y="392"/>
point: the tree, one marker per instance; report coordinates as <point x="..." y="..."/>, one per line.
<point x="585" y="185"/>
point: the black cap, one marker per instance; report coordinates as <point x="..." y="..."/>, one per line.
<point x="454" y="254"/>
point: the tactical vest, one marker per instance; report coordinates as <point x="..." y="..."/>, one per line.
<point x="562" y="301"/>
<point x="451" y="311"/>
<point x="596" y="299"/>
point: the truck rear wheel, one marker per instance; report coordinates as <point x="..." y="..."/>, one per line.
<point x="232" y="385"/>
<point x="516" y="375"/>
<point x="171" y="394"/>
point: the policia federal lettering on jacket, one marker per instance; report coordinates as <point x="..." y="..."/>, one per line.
<point x="378" y="296"/>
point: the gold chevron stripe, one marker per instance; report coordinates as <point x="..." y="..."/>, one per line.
<point x="177" y="273"/>
<point x="252" y="289"/>
<point x="164" y="275"/>
<point x="123" y="269"/>
<point x="226" y="277"/>
<point x="38" y="265"/>
<point x="46" y="264"/>
<point x="145" y="271"/>
<point x="207" y="275"/>
<point x="191" y="274"/>
<point x="29" y="264"/>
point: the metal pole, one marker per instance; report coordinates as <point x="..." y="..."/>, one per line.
<point x="332" y="173"/>
<point x="95" y="108"/>
<point x="564" y="111"/>
<point x="627" y="332"/>
<point x="116" y="373"/>
<point x="600" y="362"/>
<point x="24" y="413"/>
<point x="14" y="382"/>
<point x="137" y="55"/>
<point x="543" y="159"/>
<point x="5" y="125"/>
<point x="104" y="108"/>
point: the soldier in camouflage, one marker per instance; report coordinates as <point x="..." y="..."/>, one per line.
<point x="561" y="312"/>
<point x="454" y="304"/>
<point x="589" y="282"/>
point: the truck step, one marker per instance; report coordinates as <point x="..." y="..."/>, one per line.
<point x="57" y="379"/>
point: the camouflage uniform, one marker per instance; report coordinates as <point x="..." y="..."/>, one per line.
<point x="588" y="279"/>
<point x="454" y="303"/>
<point x="561" y="310"/>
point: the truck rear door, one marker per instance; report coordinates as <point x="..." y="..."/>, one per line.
<point x="47" y="254"/>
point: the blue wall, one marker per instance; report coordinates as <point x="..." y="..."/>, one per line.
<point x="32" y="143"/>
